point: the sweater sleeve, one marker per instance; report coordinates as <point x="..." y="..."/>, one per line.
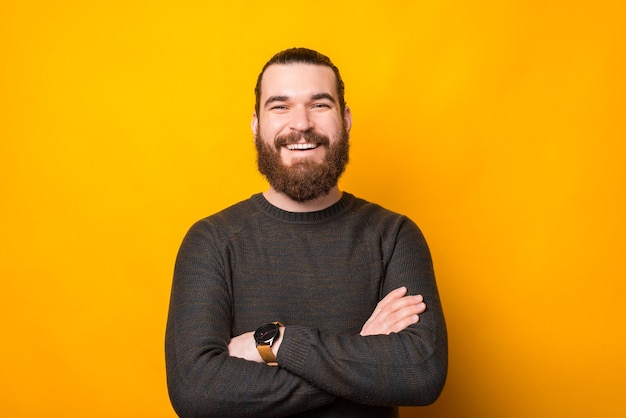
<point x="203" y="380"/>
<point x="405" y="368"/>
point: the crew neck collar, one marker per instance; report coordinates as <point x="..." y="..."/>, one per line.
<point x="330" y="212"/>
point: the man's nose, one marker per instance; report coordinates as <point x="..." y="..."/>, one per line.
<point x="301" y="119"/>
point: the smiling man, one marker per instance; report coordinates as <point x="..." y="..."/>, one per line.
<point x="303" y="300"/>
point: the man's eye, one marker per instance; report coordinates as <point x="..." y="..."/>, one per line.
<point x="278" y="107"/>
<point x="321" y="106"/>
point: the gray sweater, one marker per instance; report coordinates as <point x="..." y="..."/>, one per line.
<point x="321" y="274"/>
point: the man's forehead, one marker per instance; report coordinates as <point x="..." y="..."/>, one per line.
<point x="298" y="77"/>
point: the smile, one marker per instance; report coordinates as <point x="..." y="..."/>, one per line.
<point x="292" y="147"/>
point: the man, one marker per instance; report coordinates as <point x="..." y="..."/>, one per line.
<point x="304" y="300"/>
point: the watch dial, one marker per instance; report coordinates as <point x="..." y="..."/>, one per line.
<point x="266" y="333"/>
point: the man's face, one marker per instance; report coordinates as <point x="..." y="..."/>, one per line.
<point x="300" y="134"/>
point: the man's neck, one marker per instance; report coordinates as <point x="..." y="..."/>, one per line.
<point x="283" y="202"/>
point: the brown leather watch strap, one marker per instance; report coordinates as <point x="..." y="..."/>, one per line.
<point x="267" y="355"/>
<point x="265" y="349"/>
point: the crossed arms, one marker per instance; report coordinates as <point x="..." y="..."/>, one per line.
<point x="393" y="313"/>
<point x="399" y="356"/>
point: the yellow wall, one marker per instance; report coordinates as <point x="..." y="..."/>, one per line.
<point x="497" y="125"/>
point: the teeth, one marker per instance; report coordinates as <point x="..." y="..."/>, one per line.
<point x="301" y="146"/>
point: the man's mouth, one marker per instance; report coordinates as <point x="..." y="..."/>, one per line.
<point x="300" y="146"/>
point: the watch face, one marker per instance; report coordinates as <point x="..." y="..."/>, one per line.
<point x="266" y="333"/>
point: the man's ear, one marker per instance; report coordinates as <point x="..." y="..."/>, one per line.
<point x="254" y="123"/>
<point x="347" y="119"/>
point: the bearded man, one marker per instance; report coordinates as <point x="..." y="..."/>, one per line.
<point x="304" y="300"/>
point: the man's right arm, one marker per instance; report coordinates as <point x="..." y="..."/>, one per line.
<point x="203" y="380"/>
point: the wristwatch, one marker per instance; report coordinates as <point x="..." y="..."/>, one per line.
<point x="264" y="337"/>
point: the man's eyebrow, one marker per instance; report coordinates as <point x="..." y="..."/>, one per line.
<point x="327" y="96"/>
<point x="273" y="99"/>
<point x="317" y="96"/>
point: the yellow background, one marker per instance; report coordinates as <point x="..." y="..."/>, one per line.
<point x="498" y="126"/>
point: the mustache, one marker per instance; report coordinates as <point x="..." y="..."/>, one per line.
<point x="295" y="137"/>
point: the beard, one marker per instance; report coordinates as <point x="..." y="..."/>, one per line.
<point x="304" y="180"/>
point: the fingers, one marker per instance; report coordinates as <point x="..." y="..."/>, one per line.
<point x="396" y="304"/>
<point x="402" y="311"/>
<point x="402" y="318"/>
<point x="393" y="295"/>
<point x="394" y="312"/>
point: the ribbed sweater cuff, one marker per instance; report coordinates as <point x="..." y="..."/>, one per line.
<point x="294" y="349"/>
